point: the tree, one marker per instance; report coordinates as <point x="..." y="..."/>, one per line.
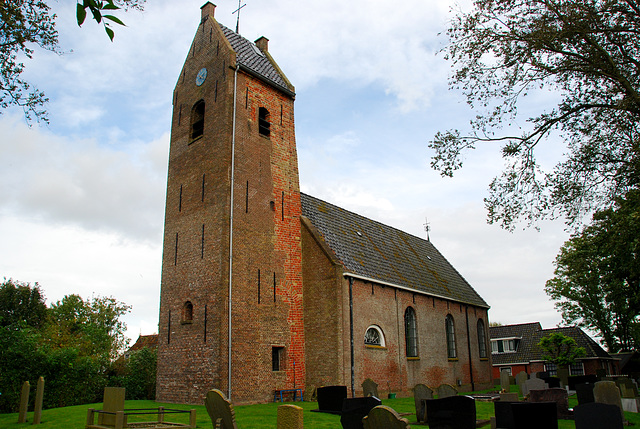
<point x="560" y="349"/>
<point x="596" y="281"/>
<point x="29" y="24"/>
<point x="21" y="305"/>
<point x="587" y="52"/>
<point x="92" y="326"/>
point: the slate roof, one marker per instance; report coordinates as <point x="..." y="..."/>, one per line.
<point x="251" y="57"/>
<point x="531" y="334"/>
<point x="380" y="252"/>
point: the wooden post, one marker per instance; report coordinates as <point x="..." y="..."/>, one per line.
<point x="90" y="416"/>
<point x="37" y="414"/>
<point x="192" y="419"/>
<point x="24" y="402"/>
<point x="160" y="414"/>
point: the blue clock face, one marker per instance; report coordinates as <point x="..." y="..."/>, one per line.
<point x="202" y="75"/>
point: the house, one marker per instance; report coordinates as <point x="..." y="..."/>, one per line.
<point x="514" y="348"/>
<point x="265" y="288"/>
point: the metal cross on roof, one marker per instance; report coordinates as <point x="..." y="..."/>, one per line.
<point x="238" y="18"/>
<point x="427" y="227"/>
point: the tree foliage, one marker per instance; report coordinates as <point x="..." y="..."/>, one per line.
<point x="596" y="281"/>
<point x="560" y="349"/>
<point x="21" y="305"/>
<point x="29" y="24"/>
<point x="586" y="55"/>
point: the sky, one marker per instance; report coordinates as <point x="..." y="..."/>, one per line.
<point x="82" y="198"/>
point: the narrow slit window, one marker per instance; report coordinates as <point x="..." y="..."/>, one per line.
<point x="264" y="124"/>
<point x="202" y="243"/>
<point x="277" y="358"/>
<point x="203" y="183"/>
<point x="187" y="312"/>
<point x="197" y="120"/>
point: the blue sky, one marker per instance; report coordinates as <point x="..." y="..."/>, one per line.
<point x="82" y="199"/>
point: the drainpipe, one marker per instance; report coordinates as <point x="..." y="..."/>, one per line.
<point x="353" y="365"/>
<point x="233" y="157"/>
<point x="466" y="314"/>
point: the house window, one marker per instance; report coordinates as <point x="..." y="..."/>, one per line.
<point x="506" y="369"/>
<point x="482" y="342"/>
<point x="509" y="345"/>
<point x="197" y="120"/>
<point x="374" y="336"/>
<point x="410" y="332"/>
<point x="264" y="126"/>
<point x="277" y="358"/>
<point x="576" y="368"/>
<point x="187" y="312"/>
<point x="451" y="337"/>
<point x="551" y="368"/>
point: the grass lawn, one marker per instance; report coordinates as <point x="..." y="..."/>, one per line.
<point x="247" y="416"/>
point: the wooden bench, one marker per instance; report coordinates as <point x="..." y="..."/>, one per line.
<point x="280" y="392"/>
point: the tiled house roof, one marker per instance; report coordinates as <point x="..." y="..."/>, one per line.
<point x="249" y="56"/>
<point x="149" y="341"/>
<point x="373" y="250"/>
<point x="530" y="335"/>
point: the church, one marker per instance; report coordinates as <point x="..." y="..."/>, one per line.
<point x="266" y="288"/>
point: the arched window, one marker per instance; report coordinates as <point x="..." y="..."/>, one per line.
<point x="197" y="120"/>
<point x="374" y="336"/>
<point x="482" y="341"/>
<point x="410" y="332"/>
<point x="187" y="312"/>
<point x="264" y="124"/>
<point x="451" y="337"/>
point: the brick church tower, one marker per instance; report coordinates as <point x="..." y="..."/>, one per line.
<point x="231" y="293"/>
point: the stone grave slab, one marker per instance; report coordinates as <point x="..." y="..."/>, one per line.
<point x="37" y="412"/>
<point x="509" y="397"/>
<point x="574" y="380"/>
<point x="521" y="377"/>
<point x="631" y="405"/>
<point x="606" y="392"/>
<point x="289" y="417"/>
<point x="563" y="375"/>
<point x="421" y="392"/>
<point x="220" y="410"/>
<point x="557" y="395"/>
<point x="525" y="415"/>
<point x="113" y="401"/>
<point x="355" y="409"/>
<point x="451" y="412"/>
<point x="446" y="390"/>
<point x="584" y="393"/>
<point x="504" y="380"/>
<point x="370" y="388"/>
<point x="383" y="417"/>
<point x="330" y="398"/>
<point x="534" y="384"/>
<point x="24" y="402"/>
<point x="595" y="415"/>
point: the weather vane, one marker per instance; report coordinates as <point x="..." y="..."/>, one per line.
<point x="238" y="18"/>
<point x="427" y="227"/>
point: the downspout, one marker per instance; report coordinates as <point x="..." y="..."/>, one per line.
<point x="353" y="365"/>
<point x="233" y="157"/>
<point x="466" y="314"/>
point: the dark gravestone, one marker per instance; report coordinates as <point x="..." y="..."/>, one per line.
<point x="355" y="409"/>
<point x="553" y="382"/>
<point x="595" y="415"/>
<point x="574" y="380"/>
<point x="330" y="398"/>
<point x="557" y="395"/>
<point x="420" y="393"/>
<point x="584" y="393"/>
<point x="454" y="412"/>
<point x="542" y="374"/>
<point x="526" y="415"/>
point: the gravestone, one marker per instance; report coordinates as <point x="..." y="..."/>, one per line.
<point x="509" y="397"/>
<point x="574" y="380"/>
<point x="584" y="393"/>
<point x="557" y="395"/>
<point x="563" y="375"/>
<point x="521" y="377"/>
<point x="457" y="412"/>
<point x="595" y="415"/>
<point x="37" y="412"/>
<point x="534" y="415"/>
<point x="601" y="373"/>
<point x="503" y="415"/>
<point x="606" y="392"/>
<point x="446" y="390"/>
<point x="112" y="402"/>
<point x="354" y="410"/>
<point x="534" y="384"/>
<point x="24" y="402"/>
<point x="383" y="417"/>
<point x="220" y="410"/>
<point x="330" y="398"/>
<point x="542" y="374"/>
<point x="421" y="392"/>
<point x="627" y="388"/>
<point x="289" y="417"/>
<point x="504" y="380"/>
<point x="370" y="388"/>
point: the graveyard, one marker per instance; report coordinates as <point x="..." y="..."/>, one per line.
<point x="266" y="415"/>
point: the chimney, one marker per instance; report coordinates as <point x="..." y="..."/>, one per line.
<point x="263" y="44"/>
<point x="208" y="9"/>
